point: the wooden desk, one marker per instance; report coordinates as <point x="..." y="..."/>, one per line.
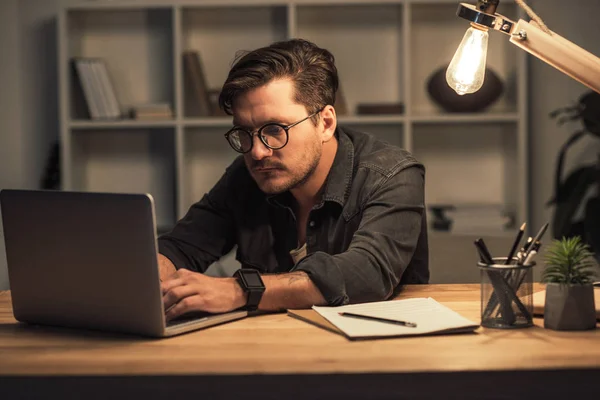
<point x="276" y="356"/>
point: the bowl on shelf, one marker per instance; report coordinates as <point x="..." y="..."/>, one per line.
<point x="444" y="96"/>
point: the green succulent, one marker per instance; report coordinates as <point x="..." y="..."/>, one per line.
<point x="569" y="260"/>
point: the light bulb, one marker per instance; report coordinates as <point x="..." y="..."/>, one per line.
<point x="467" y="69"/>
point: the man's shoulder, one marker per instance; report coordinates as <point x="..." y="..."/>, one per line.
<point x="378" y="155"/>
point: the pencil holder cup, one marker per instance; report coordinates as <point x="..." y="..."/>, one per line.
<point x="506" y="294"/>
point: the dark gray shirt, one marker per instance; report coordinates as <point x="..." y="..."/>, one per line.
<point x="367" y="236"/>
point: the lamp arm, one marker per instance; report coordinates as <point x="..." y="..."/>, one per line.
<point x="558" y="52"/>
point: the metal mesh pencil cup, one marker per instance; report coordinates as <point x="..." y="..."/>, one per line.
<point x="506" y="294"/>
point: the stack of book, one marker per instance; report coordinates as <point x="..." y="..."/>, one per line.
<point x="152" y="111"/>
<point x="96" y="88"/>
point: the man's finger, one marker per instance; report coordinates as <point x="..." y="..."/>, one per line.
<point x="176" y="294"/>
<point x="170" y="284"/>
<point x="186" y="305"/>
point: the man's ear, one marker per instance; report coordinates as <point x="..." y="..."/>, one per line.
<point x="329" y="121"/>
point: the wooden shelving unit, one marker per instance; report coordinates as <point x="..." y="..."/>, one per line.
<point x="385" y="51"/>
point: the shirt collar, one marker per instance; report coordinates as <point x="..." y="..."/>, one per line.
<point x="339" y="180"/>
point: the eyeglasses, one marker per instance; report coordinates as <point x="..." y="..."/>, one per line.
<point x="273" y="135"/>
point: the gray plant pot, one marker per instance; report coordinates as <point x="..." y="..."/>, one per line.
<point x="569" y="307"/>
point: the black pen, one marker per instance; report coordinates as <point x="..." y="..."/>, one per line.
<point x="379" y="319"/>
<point x="537" y="238"/>
<point x="484" y="253"/>
<point x="523" y="250"/>
<point x="515" y="244"/>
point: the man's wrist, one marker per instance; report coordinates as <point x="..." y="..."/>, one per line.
<point x="166" y="267"/>
<point x="240" y="298"/>
<point x="252" y="284"/>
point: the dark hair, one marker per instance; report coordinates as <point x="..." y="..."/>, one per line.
<point x="311" y="68"/>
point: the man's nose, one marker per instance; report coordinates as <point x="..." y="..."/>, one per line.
<point x="259" y="150"/>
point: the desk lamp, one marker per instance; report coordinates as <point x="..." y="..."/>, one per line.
<point x="466" y="70"/>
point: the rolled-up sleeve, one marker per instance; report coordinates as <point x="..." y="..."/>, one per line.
<point x="381" y="248"/>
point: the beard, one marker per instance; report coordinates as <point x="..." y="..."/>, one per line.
<point x="279" y="178"/>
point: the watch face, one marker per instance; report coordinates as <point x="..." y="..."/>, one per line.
<point x="253" y="280"/>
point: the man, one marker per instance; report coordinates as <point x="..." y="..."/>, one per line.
<point x="320" y="215"/>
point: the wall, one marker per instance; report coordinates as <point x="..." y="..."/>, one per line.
<point x="577" y="21"/>
<point x="10" y="128"/>
<point x="28" y="99"/>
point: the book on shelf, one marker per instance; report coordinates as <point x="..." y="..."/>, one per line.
<point x="380" y="108"/>
<point x="197" y="98"/>
<point x="94" y="87"/>
<point x="213" y="95"/>
<point x="151" y="111"/>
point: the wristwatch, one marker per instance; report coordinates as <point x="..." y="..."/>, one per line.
<point x="251" y="283"/>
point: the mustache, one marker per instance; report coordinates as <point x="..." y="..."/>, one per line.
<point x="265" y="164"/>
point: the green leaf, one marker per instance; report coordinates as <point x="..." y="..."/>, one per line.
<point x="569" y="260"/>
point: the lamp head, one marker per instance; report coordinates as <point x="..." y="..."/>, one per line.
<point x="484" y="15"/>
<point x="466" y="71"/>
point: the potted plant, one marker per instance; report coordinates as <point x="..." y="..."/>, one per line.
<point x="569" y="273"/>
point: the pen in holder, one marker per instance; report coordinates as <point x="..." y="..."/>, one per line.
<point x="506" y="294"/>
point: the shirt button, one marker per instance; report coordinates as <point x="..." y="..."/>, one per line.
<point x="312" y="224"/>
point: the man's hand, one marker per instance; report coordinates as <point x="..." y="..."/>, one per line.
<point x="185" y="291"/>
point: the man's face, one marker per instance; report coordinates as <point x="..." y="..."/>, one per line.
<point x="277" y="171"/>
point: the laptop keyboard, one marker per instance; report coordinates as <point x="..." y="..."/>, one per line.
<point x="188" y="318"/>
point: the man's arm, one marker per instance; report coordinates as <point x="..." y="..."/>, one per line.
<point x="185" y="291"/>
<point x="165" y="267"/>
<point x="381" y="248"/>
<point x="290" y="290"/>
<point x="369" y="270"/>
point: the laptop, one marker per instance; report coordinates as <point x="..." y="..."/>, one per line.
<point x="89" y="260"/>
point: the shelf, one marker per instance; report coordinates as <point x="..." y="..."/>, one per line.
<point x="208" y="122"/>
<point x="435" y="35"/>
<point x="385" y="51"/>
<point x="128" y="161"/>
<point x="118" y="124"/>
<point x="206" y="155"/>
<point x="371" y="119"/>
<point x="113" y="5"/>
<point x="468" y="163"/>
<point x="136" y="47"/>
<point x="343" y="119"/>
<point x="367" y="40"/>
<point x="218" y="33"/>
<point x="135" y="4"/>
<point x="466" y="118"/>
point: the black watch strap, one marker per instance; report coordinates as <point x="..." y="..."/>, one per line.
<point x="251" y="283"/>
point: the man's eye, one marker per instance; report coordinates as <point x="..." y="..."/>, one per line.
<point x="272" y="130"/>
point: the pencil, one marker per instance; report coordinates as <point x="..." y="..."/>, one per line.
<point x="379" y="319"/>
<point x="537" y="238"/>
<point x="515" y="244"/>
